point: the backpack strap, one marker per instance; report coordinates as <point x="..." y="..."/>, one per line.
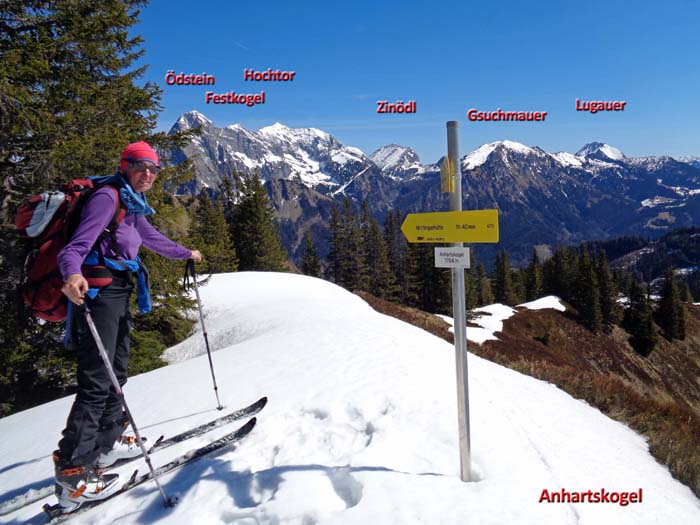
<point x="111" y="229"/>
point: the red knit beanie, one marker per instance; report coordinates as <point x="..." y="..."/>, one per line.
<point x="136" y="152"/>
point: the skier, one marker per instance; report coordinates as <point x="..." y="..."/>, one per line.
<point x="98" y="269"/>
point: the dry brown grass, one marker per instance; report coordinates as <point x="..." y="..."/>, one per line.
<point x="673" y="430"/>
<point x="657" y="397"/>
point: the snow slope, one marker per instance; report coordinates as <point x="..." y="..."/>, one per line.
<point x="361" y="427"/>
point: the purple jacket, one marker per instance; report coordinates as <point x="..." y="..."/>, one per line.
<point x="133" y="231"/>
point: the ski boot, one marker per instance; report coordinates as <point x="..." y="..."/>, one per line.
<point x="77" y="485"/>
<point x="126" y="447"/>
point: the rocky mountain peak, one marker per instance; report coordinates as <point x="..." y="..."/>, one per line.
<point x="394" y="156"/>
<point x="191" y="119"/>
<point x="506" y="148"/>
<point x="600" y="151"/>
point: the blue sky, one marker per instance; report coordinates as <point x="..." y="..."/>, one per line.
<point x="448" y="57"/>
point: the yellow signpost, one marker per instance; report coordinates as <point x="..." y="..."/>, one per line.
<point x="480" y="226"/>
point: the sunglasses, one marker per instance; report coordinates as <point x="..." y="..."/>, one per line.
<point x="143" y="166"/>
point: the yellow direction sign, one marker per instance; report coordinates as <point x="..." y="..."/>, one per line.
<point x="452" y="226"/>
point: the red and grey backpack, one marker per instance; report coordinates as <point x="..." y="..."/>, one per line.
<point x="49" y="220"/>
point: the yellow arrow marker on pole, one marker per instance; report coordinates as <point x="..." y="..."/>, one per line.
<point x="447" y="176"/>
<point x="451" y="226"/>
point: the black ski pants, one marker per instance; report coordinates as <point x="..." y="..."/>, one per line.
<point x="96" y="419"/>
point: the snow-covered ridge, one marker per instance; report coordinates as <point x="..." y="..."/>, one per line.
<point x="478" y="156"/>
<point x="516" y="146"/>
<point x="481" y="154"/>
<point x="361" y="427"/>
<point x="304" y="135"/>
<point x="567" y="159"/>
<point x="612" y="153"/>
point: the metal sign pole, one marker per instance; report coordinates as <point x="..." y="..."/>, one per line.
<point x="459" y="312"/>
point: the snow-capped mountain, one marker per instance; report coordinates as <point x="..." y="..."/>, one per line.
<point x="543" y="198"/>
<point x="600" y="151"/>
<point x="503" y="150"/>
<point x="396" y="160"/>
<point x="305" y="155"/>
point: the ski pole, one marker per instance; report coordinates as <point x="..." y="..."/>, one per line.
<point x="120" y="393"/>
<point x="189" y="270"/>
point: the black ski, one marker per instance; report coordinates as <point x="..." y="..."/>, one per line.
<point x="160" y="443"/>
<point x="54" y="511"/>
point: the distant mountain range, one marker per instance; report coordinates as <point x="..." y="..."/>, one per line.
<point x="544" y="199"/>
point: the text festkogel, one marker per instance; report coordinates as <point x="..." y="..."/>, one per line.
<point x="234" y="98"/>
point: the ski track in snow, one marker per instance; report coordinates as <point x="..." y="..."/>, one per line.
<point x="361" y="426"/>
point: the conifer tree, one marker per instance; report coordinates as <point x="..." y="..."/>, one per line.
<point x="381" y="280"/>
<point x="638" y="320"/>
<point x="670" y="315"/>
<point x="310" y="264"/>
<point x="533" y="278"/>
<point x="610" y="310"/>
<point x="409" y="283"/>
<point x="502" y="280"/>
<point x="347" y="257"/>
<point x="338" y="247"/>
<point x="210" y="233"/>
<point x="517" y="279"/>
<point x="355" y="263"/>
<point x="396" y="247"/>
<point x="409" y="287"/>
<point x="485" y="295"/>
<point x="433" y="290"/>
<point x="622" y="281"/>
<point x="586" y="294"/>
<point x="684" y="291"/>
<point x="559" y="273"/>
<point x="255" y="232"/>
<point x="497" y="288"/>
<point x="357" y="269"/>
<point x="69" y="103"/>
<point x="229" y="194"/>
<point x="472" y="282"/>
